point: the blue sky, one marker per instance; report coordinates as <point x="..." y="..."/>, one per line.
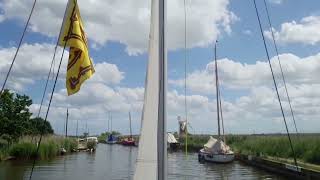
<point x="118" y="45"/>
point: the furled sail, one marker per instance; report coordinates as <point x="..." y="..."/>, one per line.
<point x="151" y="161"/>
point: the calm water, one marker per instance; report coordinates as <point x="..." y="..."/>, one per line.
<point x="113" y="162"/>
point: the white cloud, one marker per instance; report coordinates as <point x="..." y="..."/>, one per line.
<point x="257" y="110"/>
<point x="33" y="64"/>
<point x="236" y="75"/>
<point x="276" y="1"/>
<point x="107" y="73"/>
<point x="306" y="31"/>
<point x="1" y="18"/>
<point x="247" y="32"/>
<point x="128" y="21"/>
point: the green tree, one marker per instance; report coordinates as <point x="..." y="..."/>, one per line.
<point x="15" y="118"/>
<point x="14" y="115"/>
<point x="36" y="125"/>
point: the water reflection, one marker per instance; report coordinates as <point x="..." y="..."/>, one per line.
<point x="115" y="162"/>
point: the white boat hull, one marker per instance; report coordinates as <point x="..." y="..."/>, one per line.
<point x="216" y="158"/>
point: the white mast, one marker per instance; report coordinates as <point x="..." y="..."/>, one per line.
<point x="152" y="156"/>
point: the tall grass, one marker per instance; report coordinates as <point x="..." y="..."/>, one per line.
<point x="195" y="142"/>
<point x="307" y="148"/>
<point x="49" y="148"/>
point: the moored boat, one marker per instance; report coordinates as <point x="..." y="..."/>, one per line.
<point x="172" y="142"/>
<point x="111" y="139"/>
<point x="216" y="150"/>
<point x="128" y="142"/>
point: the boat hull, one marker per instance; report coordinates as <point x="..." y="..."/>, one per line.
<point x="215" y="158"/>
<point x="128" y="143"/>
<point x="173" y="146"/>
<point x="111" y="142"/>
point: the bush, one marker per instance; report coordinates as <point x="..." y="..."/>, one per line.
<point x="91" y="145"/>
<point x="23" y="150"/>
<point x="49" y="148"/>
<point x="70" y="144"/>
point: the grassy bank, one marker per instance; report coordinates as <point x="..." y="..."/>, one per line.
<point x="26" y="148"/>
<point x="307" y="147"/>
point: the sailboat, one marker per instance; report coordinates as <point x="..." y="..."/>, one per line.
<point x="129" y="141"/>
<point x="216" y="150"/>
<point x="152" y="153"/>
<point x="111" y="139"/>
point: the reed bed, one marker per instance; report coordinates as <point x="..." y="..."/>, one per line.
<point x="306" y="147"/>
<point x="26" y="147"/>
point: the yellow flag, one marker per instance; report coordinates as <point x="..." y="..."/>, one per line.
<point x="80" y="67"/>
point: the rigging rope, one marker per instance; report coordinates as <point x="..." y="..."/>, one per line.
<point x="275" y="83"/>
<point x="51" y="96"/>
<point x="19" y="45"/>
<point x="282" y="74"/>
<point x="224" y="137"/>
<point x="185" y="76"/>
<point x="51" y="67"/>
<point x="217" y="86"/>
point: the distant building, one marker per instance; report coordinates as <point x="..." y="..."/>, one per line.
<point x="182" y="127"/>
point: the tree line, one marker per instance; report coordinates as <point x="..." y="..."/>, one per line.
<point x="16" y="119"/>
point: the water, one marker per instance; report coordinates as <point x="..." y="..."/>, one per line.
<point x="116" y="162"/>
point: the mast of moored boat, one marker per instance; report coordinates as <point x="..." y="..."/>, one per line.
<point x="217" y="87"/>
<point x="130" y="125"/>
<point x="67" y="118"/>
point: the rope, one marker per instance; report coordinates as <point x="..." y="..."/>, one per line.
<point x="19" y="45"/>
<point x="282" y="74"/>
<point x="185" y="76"/>
<point x="51" y="67"/>
<point x="53" y="89"/>
<point x="275" y="83"/>
<point x="224" y="137"/>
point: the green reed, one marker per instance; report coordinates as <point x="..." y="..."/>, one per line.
<point x="26" y="147"/>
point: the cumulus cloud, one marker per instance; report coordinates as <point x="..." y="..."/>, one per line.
<point x="1" y="18"/>
<point x="128" y="21"/>
<point x="257" y="110"/>
<point x="236" y="75"/>
<point x="306" y="31"/>
<point x="257" y="107"/>
<point x="276" y="1"/>
<point x="33" y="64"/>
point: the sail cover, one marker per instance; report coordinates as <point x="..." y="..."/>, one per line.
<point x="146" y="166"/>
<point x="216" y="146"/>
<point x="171" y="138"/>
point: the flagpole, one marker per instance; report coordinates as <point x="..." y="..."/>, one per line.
<point x="162" y="134"/>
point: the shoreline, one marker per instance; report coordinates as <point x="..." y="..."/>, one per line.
<point x="25" y="149"/>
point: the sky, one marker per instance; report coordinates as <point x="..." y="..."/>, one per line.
<point x="118" y="38"/>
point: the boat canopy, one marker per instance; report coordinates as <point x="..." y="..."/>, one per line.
<point x="216" y="146"/>
<point x="112" y="138"/>
<point x="171" y="138"/>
